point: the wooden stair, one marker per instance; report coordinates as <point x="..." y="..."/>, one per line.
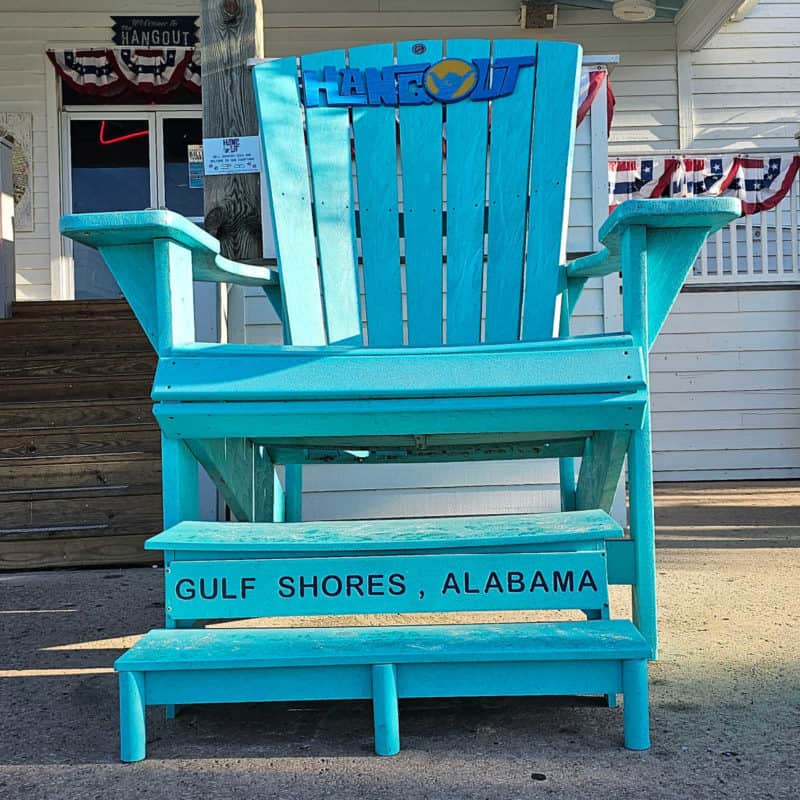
<point x="80" y="468"/>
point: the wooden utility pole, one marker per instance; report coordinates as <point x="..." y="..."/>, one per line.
<point x="231" y="31"/>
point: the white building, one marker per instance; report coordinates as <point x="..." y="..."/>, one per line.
<point x="703" y="76"/>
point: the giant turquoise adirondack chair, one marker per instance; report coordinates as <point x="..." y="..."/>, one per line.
<point x="489" y="375"/>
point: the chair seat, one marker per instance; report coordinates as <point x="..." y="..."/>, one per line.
<point x="342" y="399"/>
<point x="583" y="365"/>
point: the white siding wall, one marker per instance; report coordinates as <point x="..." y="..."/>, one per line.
<point x="725" y="377"/>
<point x="27" y="30"/>
<point x="747" y="81"/>
<point x="726" y="368"/>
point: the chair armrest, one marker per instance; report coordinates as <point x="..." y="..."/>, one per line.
<point x="154" y="256"/>
<point x="129" y="228"/>
<point x="675" y="230"/>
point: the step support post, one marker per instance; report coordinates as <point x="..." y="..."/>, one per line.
<point x="635" y="711"/>
<point x="132" y="733"/>
<point x="385" y="710"/>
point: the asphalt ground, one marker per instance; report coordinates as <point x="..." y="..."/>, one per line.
<point x="725" y="693"/>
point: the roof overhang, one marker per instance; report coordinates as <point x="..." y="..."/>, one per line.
<point x="699" y="20"/>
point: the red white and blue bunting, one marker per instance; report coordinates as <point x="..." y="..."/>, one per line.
<point x="759" y="182"/>
<point x="108" y="72"/>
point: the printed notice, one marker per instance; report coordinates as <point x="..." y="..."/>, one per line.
<point x="232" y="155"/>
<point x="195" y="159"/>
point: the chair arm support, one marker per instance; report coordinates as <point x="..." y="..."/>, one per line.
<point x="155" y="256"/>
<point x="131" y="228"/>
<point x="674" y="232"/>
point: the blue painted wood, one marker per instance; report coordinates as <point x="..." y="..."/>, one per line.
<point x="286" y="167"/>
<point x="634" y="256"/>
<point x="292" y="374"/>
<point x="509" y="166"/>
<point x="281" y="586"/>
<point x="133" y="740"/>
<point x="331" y="178"/>
<point x="397" y="535"/>
<point x="278" y="499"/>
<point x="467" y="143"/>
<point x="243" y="473"/>
<point x="246" y="665"/>
<point x="601" y="467"/>
<point x="174" y="295"/>
<point x="386" y="712"/>
<point x="294" y="492"/>
<point x="555" y="107"/>
<point x="132" y="228"/>
<point x="179" y="482"/>
<point x="636" y="719"/>
<point x="316" y="420"/>
<point x="675" y="232"/>
<point x="621" y="562"/>
<point x="225" y="648"/>
<point x="354" y="681"/>
<point x="536" y="446"/>
<point x="421" y="159"/>
<point x="374" y="132"/>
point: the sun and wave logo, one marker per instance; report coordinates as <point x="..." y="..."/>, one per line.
<point x="450" y="79"/>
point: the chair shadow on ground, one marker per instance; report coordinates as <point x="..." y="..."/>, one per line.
<point x="727" y="514"/>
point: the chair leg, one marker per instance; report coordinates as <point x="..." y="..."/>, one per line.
<point x="566" y="480"/>
<point x="385" y="710"/>
<point x="278" y="498"/>
<point x="294" y="492"/>
<point x="132" y="731"/>
<point x="179" y="482"/>
<point x="636" y="715"/>
<point x="642" y="524"/>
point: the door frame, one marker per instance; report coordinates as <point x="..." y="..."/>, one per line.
<point x="154" y="116"/>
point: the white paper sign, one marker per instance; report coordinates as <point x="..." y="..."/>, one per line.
<point x="195" y="162"/>
<point x="232" y="155"/>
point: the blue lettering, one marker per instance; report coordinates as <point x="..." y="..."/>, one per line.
<point x="381" y="89"/>
<point x="313" y="87"/>
<point x="352" y="88"/>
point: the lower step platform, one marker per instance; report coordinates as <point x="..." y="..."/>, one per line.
<point x="384" y="664"/>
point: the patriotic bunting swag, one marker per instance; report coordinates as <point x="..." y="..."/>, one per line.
<point x="107" y="73"/>
<point x="760" y="183"/>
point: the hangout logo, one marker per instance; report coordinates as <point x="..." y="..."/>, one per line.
<point x="447" y="81"/>
<point x="450" y="79"/>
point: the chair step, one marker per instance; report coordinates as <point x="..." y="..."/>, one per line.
<point x="534" y="561"/>
<point x="383" y="664"/>
<point x="391" y="535"/>
<point x="226" y="648"/>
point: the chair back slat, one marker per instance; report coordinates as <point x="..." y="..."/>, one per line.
<point x="466" y="130"/>
<point x="509" y="159"/>
<point x="281" y="124"/>
<point x="421" y="167"/>
<point x="557" y="71"/>
<point x="459" y="166"/>
<point x="332" y="182"/>
<point x="375" y="138"/>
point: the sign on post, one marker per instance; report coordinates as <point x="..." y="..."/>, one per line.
<point x="232" y="155"/>
<point x="196" y="171"/>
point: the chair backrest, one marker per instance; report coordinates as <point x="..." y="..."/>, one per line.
<point x="432" y="178"/>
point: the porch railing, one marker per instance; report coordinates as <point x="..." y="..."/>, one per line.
<point x="762" y="248"/>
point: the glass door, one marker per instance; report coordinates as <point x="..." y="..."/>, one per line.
<point x="110" y="168"/>
<point x="176" y="131"/>
<point x="125" y="161"/>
